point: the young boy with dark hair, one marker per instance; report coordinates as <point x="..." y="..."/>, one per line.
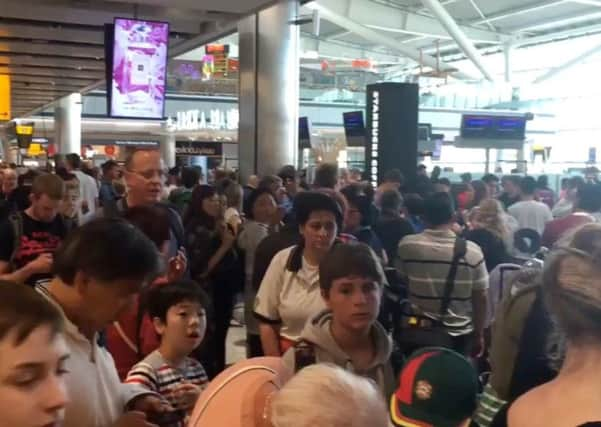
<point x="178" y="312"/>
<point x="347" y="334"/>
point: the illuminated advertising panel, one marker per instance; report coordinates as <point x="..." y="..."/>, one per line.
<point x="139" y="66"/>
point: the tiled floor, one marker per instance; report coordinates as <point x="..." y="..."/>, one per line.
<point x="236" y="344"/>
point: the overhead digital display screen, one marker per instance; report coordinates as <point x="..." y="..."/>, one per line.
<point x="139" y="65"/>
<point x="304" y="133"/>
<point x="354" y="128"/>
<point x="493" y="127"/>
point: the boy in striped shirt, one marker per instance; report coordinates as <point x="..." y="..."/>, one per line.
<point x="178" y="312"/>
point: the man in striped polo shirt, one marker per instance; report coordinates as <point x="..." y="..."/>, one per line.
<point x="424" y="262"/>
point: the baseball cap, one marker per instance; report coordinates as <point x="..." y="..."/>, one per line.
<point x="437" y="388"/>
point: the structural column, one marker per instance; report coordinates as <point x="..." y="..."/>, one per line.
<point x="9" y="154"/>
<point x="67" y="124"/>
<point x="167" y="145"/>
<point x="269" y="89"/>
<point x="508" y="57"/>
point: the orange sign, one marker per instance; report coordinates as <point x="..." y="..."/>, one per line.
<point x="5" y="112"/>
<point x="109" y="150"/>
<point x="212" y="49"/>
<point x="361" y="63"/>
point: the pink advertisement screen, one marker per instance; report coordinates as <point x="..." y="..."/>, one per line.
<point x="139" y="68"/>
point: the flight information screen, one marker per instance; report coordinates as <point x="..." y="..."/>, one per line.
<point x="493" y="127"/>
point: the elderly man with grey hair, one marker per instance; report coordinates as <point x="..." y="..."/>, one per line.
<point x="326" y="395"/>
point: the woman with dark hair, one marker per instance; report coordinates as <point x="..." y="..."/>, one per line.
<point x="213" y="263"/>
<point x="391" y="226"/>
<point x="358" y="222"/>
<point x="261" y="213"/>
<point x="289" y="294"/>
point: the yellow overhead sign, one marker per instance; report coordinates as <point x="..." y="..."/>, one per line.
<point x="5" y="97"/>
<point x="24" y="130"/>
<point x="35" y="150"/>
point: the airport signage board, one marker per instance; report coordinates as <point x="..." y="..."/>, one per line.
<point x="493" y="127"/>
<point x="198" y="148"/>
<point x="391" y="122"/>
<point x="139" y="66"/>
<point x="214" y="119"/>
<point x="5" y="106"/>
<point x="354" y="128"/>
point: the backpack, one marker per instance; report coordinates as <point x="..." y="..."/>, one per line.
<point x="415" y="329"/>
<point x="239" y="396"/>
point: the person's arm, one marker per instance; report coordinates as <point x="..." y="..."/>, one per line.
<point x="479" y="303"/>
<point x="548" y="214"/>
<point x="142" y="375"/>
<point x="42" y="264"/>
<point x="228" y="238"/>
<point x="479" y="310"/>
<point x="267" y="305"/>
<point x="202" y="260"/>
<point x="270" y="339"/>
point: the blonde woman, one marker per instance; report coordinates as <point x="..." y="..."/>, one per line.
<point x="488" y="229"/>
<point x="572" y="289"/>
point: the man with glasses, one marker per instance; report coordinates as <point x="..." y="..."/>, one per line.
<point x="144" y="176"/>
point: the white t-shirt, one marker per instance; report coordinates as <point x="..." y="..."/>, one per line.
<point x="88" y="189"/>
<point x="97" y="397"/>
<point x="531" y="214"/>
<point x="289" y="298"/>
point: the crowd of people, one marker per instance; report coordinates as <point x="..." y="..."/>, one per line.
<point x="427" y="303"/>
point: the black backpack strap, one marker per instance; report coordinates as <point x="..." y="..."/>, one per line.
<point x="304" y="355"/>
<point x="459" y="251"/>
<point x="16" y="220"/>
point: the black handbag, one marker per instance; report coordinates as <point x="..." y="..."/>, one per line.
<point x="416" y="329"/>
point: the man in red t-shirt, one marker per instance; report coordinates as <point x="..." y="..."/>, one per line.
<point x="588" y="203"/>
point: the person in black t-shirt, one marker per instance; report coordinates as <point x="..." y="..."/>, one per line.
<point x="29" y="238"/>
<point x="391" y="226"/>
<point x="511" y="190"/>
<point x="359" y="219"/>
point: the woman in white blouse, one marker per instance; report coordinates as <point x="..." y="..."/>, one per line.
<point x="289" y="294"/>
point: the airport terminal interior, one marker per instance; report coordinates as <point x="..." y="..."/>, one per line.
<point x="291" y="213"/>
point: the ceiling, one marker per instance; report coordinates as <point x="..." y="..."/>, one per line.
<point x="393" y="31"/>
<point x="51" y="48"/>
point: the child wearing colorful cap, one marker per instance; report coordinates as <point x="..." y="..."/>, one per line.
<point x="178" y="312"/>
<point x="347" y="333"/>
<point x="437" y="388"/>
